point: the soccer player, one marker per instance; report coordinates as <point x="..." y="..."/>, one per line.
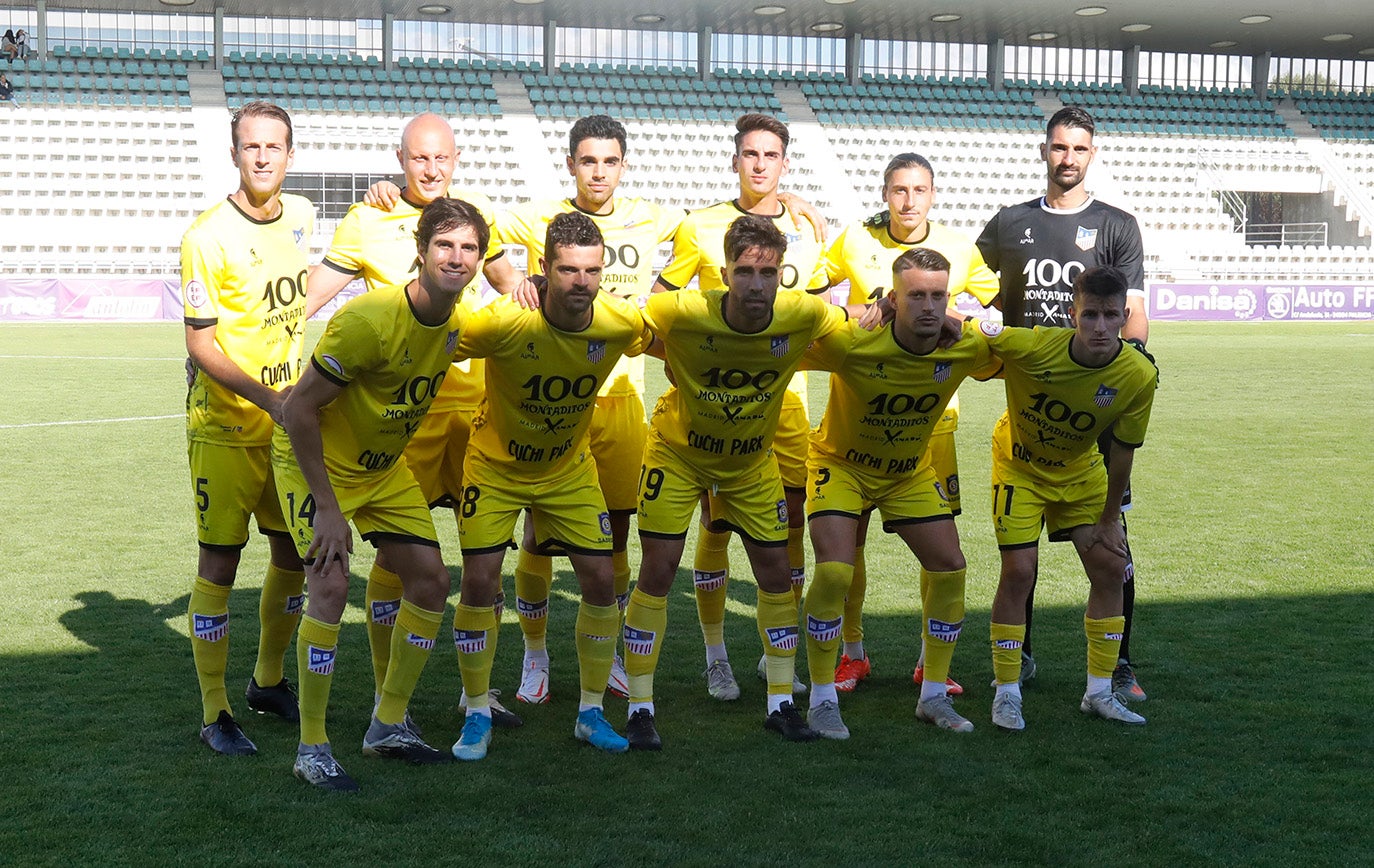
<point x="1065" y="387"/>
<point x="888" y="395"/>
<point x="378" y="245"/>
<point x="632" y="230"/>
<point x="375" y="372"/>
<point x="530" y="449"/>
<point x="761" y="161"/>
<point x="863" y="254"/>
<point x="1038" y="248"/>
<point x="730" y="351"/>
<point x="244" y="345"/>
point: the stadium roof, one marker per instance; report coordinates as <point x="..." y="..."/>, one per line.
<point x="1291" y="29"/>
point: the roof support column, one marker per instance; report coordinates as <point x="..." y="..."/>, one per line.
<point x="704" y="43"/>
<point x="854" y="58"/>
<point x="217" y="53"/>
<point x="388" y="40"/>
<point x="1130" y="69"/>
<point x="996" y="71"/>
<point x="1259" y="74"/>
<point x="550" y="46"/>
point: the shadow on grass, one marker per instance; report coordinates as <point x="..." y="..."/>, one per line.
<point x="1256" y="748"/>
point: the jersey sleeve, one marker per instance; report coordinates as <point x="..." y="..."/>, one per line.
<point x="346" y="249"/>
<point x="831" y="317"/>
<point x="481" y="336"/>
<point x="981" y="282"/>
<point x="1128" y="254"/>
<point x="987" y="242"/>
<point x="349" y="347"/>
<point x="202" y="263"/>
<point x="985" y="364"/>
<point x="659" y="313"/>
<point x="1007" y="342"/>
<point x="836" y="270"/>
<point x="668" y="221"/>
<point x="828" y="352"/>
<point x="1130" y="426"/>
<point x="686" y="256"/>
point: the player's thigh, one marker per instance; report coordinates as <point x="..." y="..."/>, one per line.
<point x="228" y="484"/>
<point x="944" y="459"/>
<point x="835" y="503"/>
<point x="618" y="434"/>
<point x="668" y="492"/>
<point x="1076" y="503"/>
<point x="1018" y="506"/>
<point x="792" y="442"/>
<point x="488" y="507"/>
<point x="752" y="503"/>
<point x="914" y="508"/>
<point x="393" y="509"/>
<point x="570" y="513"/>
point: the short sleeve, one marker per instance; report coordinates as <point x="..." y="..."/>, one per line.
<point x="202" y="263"/>
<point x="686" y="257"/>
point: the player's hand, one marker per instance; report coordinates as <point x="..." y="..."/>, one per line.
<point x="805" y="215"/>
<point x="526" y="292"/>
<point x="876" y="314"/>
<point x="950" y="331"/>
<point x="278" y="402"/>
<point x="333" y="540"/>
<point x="382" y="195"/>
<point x="1110" y="535"/>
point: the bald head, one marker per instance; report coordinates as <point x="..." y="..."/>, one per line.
<point x="428" y="155"/>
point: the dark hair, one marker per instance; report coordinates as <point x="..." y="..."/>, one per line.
<point x="754" y="122"/>
<point x="596" y="127"/>
<point x="445" y="215"/>
<point x="1100" y="281"/>
<point x="1071" y="116"/>
<point x="571" y="229"/>
<point x="260" y="109"/>
<point x="751" y="231"/>
<point x="907" y="160"/>
<point x="920" y="259"/>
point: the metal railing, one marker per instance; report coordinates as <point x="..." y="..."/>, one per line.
<point x="1286" y="234"/>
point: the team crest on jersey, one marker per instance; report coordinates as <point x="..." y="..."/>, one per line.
<point x="320" y="661"/>
<point x="384" y="612"/>
<point x="420" y="642"/>
<point x="295" y="604"/>
<point x="297" y="234"/>
<point x="779" y="345"/>
<point x="210" y="628"/>
<point x="783" y="638"/>
<point x="451" y="342"/>
<point x="989" y="328"/>
<point x="596" y="351"/>
<point x="470" y="641"/>
<point x="1104" y="396"/>
<point x="532" y="611"/>
<point x="195" y="293"/>
<point x="782" y="512"/>
<point x="1086" y="239"/>
<point x="639" y="641"/>
<point x="823" y="630"/>
<point x="708" y="580"/>
<point x="332" y="364"/>
<point x="944" y="630"/>
<point x="605" y="519"/>
<point x="1008" y="644"/>
<point x="942" y="371"/>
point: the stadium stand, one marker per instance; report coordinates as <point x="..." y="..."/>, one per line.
<point x="636" y="93"/>
<point x="1163" y="111"/>
<point x="94" y="79"/>
<point x="907" y="101"/>
<point x="1338" y="115"/>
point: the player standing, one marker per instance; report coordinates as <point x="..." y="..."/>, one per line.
<point x="375" y="372"/>
<point x="863" y="254"/>
<point x="1038" y="248"/>
<point x="1065" y="388"/>
<point x="530" y="450"/>
<point x="243" y="267"/>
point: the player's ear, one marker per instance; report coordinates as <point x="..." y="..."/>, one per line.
<point x="571" y="170"/>
<point x="401" y="159"/>
<point x="725" y="275"/>
<point x="1044" y="151"/>
<point x="734" y="163"/>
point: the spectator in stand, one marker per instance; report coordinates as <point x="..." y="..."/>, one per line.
<point x="7" y="91"/>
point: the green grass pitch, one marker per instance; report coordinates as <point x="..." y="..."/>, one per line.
<point x="1256" y="568"/>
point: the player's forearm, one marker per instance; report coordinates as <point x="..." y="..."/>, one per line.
<point x="502" y="276"/>
<point x="1137" y="325"/>
<point x="224" y="371"/>
<point x="321" y="286"/>
<point x="302" y="423"/>
<point x="1118" y="480"/>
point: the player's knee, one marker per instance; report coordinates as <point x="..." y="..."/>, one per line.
<point x="945" y="561"/>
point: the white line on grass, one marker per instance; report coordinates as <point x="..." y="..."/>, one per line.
<point x="94" y="421"/>
<point x="102" y="358"/>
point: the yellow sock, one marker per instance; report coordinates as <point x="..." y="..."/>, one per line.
<point x="208" y="618"/>
<point x="382" y="601"/>
<point x="474" y="637"/>
<point x="533" y="581"/>
<point x="796" y="559"/>
<point x="646" y="622"/>
<point x="620" y="577"/>
<point x="279" y="611"/>
<point x="1006" y="652"/>
<point x="597" y="627"/>
<point x="1104" y="643"/>
<point x="942" y="615"/>
<point x="411" y="642"/>
<point x="711" y="580"/>
<point x="316" y="646"/>
<point x="777" y="620"/>
<point x="854" y="603"/>
<point x="824" y="614"/>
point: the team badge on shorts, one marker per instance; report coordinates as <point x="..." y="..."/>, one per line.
<point x="782" y="512"/>
<point x="823" y="630"/>
<point x="596" y="351"/>
<point x="944" y="631"/>
<point x="639" y="641"/>
<point x="942" y="371"/>
<point x="605" y="519"/>
<point x="779" y="345"/>
<point x="320" y="661"/>
<point x="210" y="628"/>
<point x="470" y="641"/>
<point x="783" y="638"/>
<point x="1104" y="396"/>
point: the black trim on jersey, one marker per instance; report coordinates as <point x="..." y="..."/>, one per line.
<point x="495" y="256"/>
<point x="553" y="546"/>
<point x="488" y="550"/>
<point x="1116" y="439"/>
<point x="891" y="526"/>
<point x="724" y="297"/>
<point x="327" y="374"/>
<point x="995" y="374"/>
<point x="339" y="268"/>
<point x="1119" y="344"/>
<point x="657" y="535"/>
<point x="255" y="221"/>
<point x="416" y="206"/>
<point x="216" y="547"/>
<point x="720" y="525"/>
<point x="444" y="501"/>
<point x="198" y="323"/>
<point x="734" y="203"/>
<point x="908" y="350"/>
<point x="376" y="536"/>
<point x="895" y="240"/>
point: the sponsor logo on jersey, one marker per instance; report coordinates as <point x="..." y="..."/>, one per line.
<point x="1086" y="239"/>
<point x="470" y="641"/>
<point x="1008" y="644"/>
<point x="783" y="638"/>
<point x="529" y="352"/>
<point x="256" y="259"/>
<point x="878" y="372"/>
<point x="332" y="364"/>
<point x="1104" y="396"/>
<point x="210" y="628"/>
<point x="1026" y="237"/>
<point x="708" y="580"/>
<point x="709" y="345"/>
<point x="779" y="345"/>
<point x="944" y="631"/>
<point x="782" y="512"/>
<point x="989" y="328"/>
<point x="596" y="351"/>
<point x="295" y="604"/>
<point x="823" y="630"/>
<point x="942" y="371"/>
<point x="420" y="642"/>
<point x="532" y="610"/>
<point x="639" y="641"/>
<point x="195" y="294"/>
<point x="384" y="612"/>
<point x="451" y="342"/>
<point x="319" y="661"/>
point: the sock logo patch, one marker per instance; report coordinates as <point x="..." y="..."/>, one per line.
<point x="210" y="628"/>
<point x="783" y="638"/>
<point x="384" y="612"/>
<point x="708" y="580"/>
<point x="420" y="642"/>
<point x="597" y="638"/>
<point x="320" y="661"/>
<point x="1008" y="644"/>
<point x="470" y="641"/>
<point x="944" y="630"/>
<point x="622" y="601"/>
<point x="823" y="630"/>
<point x="1112" y="637"/>
<point x="639" y="641"/>
<point x="295" y="604"/>
<point x="799" y="577"/>
<point x="532" y="610"/>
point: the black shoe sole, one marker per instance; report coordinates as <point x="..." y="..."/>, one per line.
<point x="791" y="733"/>
<point x="506" y="720"/>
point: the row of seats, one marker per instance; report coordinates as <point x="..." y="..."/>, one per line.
<point x="573" y="110"/>
<point x="658" y="83"/>
<point x="398" y="106"/>
<point x="100" y="66"/>
<point x="433" y="63"/>
<point x="913" y="90"/>
<point x="650" y="98"/>
<point x="355" y="74"/>
<point x="927" y="121"/>
<point x="264" y="89"/>
<point x="189" y="55"/>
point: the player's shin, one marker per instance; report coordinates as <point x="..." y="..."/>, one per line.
<point x="646" y="621"/>
<point x="533" y="580"/>
<point x="316" y="647"/>
<point x="474" y="629"/>
<point x="1006" y="652"/>
<point x="279" y="611"/>
<point x="942" y="611"/>
<point x="853" y="632"/>
<point x="796" y="560"/>
<point x="777" y="623"/>
<point x="1104" y="646"/>
<point x="411" y="642"/>
<point x="382" y="600"/>
<point x="824" y="610"/>
<point x="710" y="580"/>
<point x="208" y="618"/>
<point x="597" y="627"/>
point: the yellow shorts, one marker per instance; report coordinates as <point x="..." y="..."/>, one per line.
<point x="617" y="435"/>
<point x="839" y="488"/>
<point x="791" y="442"/>
<point x="750" y="502"/>
<point x="945" y="462"/>
<point x="435" y="454"/>
<point x="568" y="510"/>
<point x="1022" y="504"/>
<point x="389" y="508"/>
<point x="229" y="484"/>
